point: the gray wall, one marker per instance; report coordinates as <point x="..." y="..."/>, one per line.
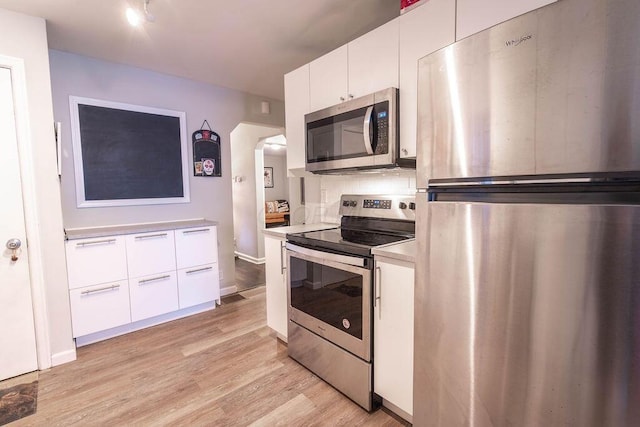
<point x="280" y="190"/>
<point x="223" y="108"/>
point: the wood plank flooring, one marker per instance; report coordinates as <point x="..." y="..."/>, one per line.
<point x="220" y="368"/>
<point x="248" y="275"/>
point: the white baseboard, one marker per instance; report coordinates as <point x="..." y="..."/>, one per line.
<point x="249" y="258"/>
<point x="228" y="290"/>
<point x="63" y="357"/>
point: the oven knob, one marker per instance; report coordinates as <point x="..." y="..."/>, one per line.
<point x="353" y="203"/>
<point x="345" y="203"/>
<point x="412" y="206"/>
<point x="403" y="205"/>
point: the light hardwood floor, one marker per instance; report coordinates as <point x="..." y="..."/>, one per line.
<point x="220" y="368"/>
<point x="248" y="275"/>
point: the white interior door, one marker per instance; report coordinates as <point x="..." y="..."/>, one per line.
<point x="17" y="340"/>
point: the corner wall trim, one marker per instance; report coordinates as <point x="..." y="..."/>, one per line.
<point x="63" y="357"/>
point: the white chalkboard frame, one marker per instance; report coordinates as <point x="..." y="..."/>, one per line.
<point x="81" y="201"/>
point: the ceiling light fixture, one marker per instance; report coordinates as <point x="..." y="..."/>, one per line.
<point x="135" y="17"/>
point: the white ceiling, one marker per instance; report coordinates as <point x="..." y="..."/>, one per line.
<point x="242" y="44"/>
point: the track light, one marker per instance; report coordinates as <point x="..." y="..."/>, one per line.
<point x="135" y="17"/>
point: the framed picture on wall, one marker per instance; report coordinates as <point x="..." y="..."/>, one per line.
<point x="268" y="177"/>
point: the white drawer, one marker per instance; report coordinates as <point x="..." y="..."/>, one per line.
<point x="97" y="260"/>
<point x="153" y="295"/>
<point x="198" y="285"/>
<point x="196" y="246"/>
<point x="100" y="307"/>
<point x="150" y="253"/>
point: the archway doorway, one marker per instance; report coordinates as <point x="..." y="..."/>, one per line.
<point x="248" y="142"/>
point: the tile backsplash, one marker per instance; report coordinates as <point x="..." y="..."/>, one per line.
<point x="334" y="186"/>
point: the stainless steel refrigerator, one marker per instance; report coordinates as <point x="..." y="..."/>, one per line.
<point x="528" y="222"/>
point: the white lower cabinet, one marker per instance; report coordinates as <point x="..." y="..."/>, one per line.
<point x="99" y="307"/>
<point x="195" y="285"/>
<point x="150" y="253"/>
<point x="276" y="284"/>
<point x="196" y="246"/>
<point x="393" y="333"/>
<point x="153" y="295"/>
<point x="96" y="260"/>
<point x="124" y="278"/>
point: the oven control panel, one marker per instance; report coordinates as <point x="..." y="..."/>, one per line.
<point x="378" y="206"/>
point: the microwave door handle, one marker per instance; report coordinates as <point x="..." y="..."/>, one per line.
<point x="365" y="130"/>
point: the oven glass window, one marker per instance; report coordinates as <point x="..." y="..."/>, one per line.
<point x="328" y="294"/>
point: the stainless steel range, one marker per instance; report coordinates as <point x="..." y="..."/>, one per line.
<point x="330" y="279"/>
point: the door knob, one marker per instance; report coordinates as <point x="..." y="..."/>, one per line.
<point x="13" y="245"/>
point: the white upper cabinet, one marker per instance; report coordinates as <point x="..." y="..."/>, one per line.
<point x="363" y="66"/>
<point x="474" y="16"/>
<point x="328" y="82"/>
<point x="423" y="30"/>
<point x="296" y="101"/>
<point x="373" y="60"/>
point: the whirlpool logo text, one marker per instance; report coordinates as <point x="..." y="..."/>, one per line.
<point x="516" y="42"/>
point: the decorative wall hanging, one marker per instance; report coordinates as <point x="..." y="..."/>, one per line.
<point x="268" y="177"/>
<point x="206" y="152"/>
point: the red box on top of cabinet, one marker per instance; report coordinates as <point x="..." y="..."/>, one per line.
<point x="406" y="5"/>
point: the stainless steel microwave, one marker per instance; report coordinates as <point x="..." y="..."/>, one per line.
<point x="358" y="134"/>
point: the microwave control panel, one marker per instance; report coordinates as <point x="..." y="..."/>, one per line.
<point x="381" y="113"/>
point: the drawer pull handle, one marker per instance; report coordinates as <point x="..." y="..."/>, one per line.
<point x="151" y="236"/>
<point x="202" y="230"/>
<point x="199" y="269"/>
<point x="153" y="279"/>
<point x="377" y="292"/>
<point x="282" y="266"/>
<point x="97" y="242"/>
<point x="93" y="291"/>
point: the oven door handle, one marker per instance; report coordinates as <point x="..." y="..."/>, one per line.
<point x="328" y="256"/>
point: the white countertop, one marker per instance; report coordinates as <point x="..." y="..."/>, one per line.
<point x="282" y="231"/>
<point x="92" y="232"/>
<point x="403" y="251"/>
